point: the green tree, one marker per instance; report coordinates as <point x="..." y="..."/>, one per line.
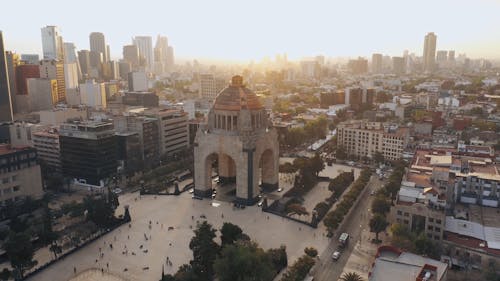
<point x="296" y="209"/>
<point x="230" y="233"/>
<point x="351" y="276"/>
<point x="316" y="163"/>
<point x="20" y="252"/>
<point x="341" y="152"/>
<point x="243" y="261"/>
<point x="321" y="209"/>
<point x="378" y="224"/>
<point x="204" y="251"/>
<point x="298" y="271"/>
<point x="380" y="205"/>
<point x="378" y="157"/>
<point x="278" y="258"/>
<point x="310" y="251"/>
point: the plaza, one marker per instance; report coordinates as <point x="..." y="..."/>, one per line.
<point x="127" y="260"/>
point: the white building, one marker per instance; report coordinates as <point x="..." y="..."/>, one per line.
<point x="93" y="94"/>
<point x="137" y="81"/>
<point x="145" y="46"/>
<point x="52" y="43"/>
<point x="71" y="75"/>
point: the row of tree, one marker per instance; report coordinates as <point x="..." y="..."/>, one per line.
<point x="309" y="169"/>
<point x="312" y="131"/>
<point x="335" y="217"/>
<point x="237" y="258"/>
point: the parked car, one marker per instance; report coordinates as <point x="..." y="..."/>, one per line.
<point x="260" y="203"/>
<point x="280" y="189"/>
<point x="191" y="191"/>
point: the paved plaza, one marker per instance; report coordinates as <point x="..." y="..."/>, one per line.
<point x="127" y="260"/>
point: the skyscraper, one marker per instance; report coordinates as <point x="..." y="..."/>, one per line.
<point x="145" y="46"/>
<point x="429" y="56"/>
<point x="162" y="48"/>
<point x="53" y="69"/>
<point x="5" y="98"/>
<point x="170" y="57"/>
<point x="398" y="65"/>
<point x="98" y="44"/>
<point x="52" y="43"/>
<point x="84" y="59"/>
<point x="376" y="63"/>
<point x="131" y="54"/>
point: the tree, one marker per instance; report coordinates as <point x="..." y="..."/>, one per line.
<point x="299" y="269"/>
<point x="99" y="211"/>
<point x="55" y="249"/>
<point x="310" y="251"/>
<point x="378" y="157"/>
<point x="341" y="152"/>
<point x="20" y="252"/>
<point x="321" y="209"/>
<point x="243" y="261"/>
<point x="378" y="224"/>
<point x="278" y="258"/>
<point x="230" y="233"/>
<point x="351" y="276"/>
<point x="380" y="205"/>
<point x="204" y="251"/>
<point x="316" y="163"/>
<point x="46" y="234"/>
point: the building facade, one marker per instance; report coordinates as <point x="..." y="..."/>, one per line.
<point x="88" y="152"/>
<point x="20" y="174"/>
<point x="53" y="69"/>
<point x="46" y="143"/>
<point x="6" y="114"/>
<point x="429" y="56"/>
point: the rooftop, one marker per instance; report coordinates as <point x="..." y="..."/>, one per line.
<point x="236" y="97"/>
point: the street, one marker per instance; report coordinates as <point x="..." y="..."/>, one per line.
<point x="330" y="270"/>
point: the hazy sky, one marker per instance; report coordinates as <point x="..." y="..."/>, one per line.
<point x="252" y="29"/>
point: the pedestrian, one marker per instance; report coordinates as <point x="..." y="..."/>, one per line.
<point x="107" y="265"/>
<point x="74" y="270"/>
<point x="128" y="237"/>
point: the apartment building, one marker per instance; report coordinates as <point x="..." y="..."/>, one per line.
<point x="20" y="174"/>
<point x="46" y="143"/>
<point x="173" y="129"/>
<point x="362" y="138"/>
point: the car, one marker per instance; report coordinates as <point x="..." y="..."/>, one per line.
<point x="280" y="189"/>
<point x="214" y="191"/>
<point x="260" y="203"/>
<point x="214" y="195"/>
<point x="336" y="255"/>
<point x="260" y="195"/>
<point x="117" y="190"/>
<point x="372" y="193"/>
<point x="191" y="191"/>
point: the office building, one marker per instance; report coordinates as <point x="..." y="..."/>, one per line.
<point x="144" y="99"/>
<point x="170" y="58"/>
<point x="161" y="48"/>
<point x="429" y="55"/>
<point x="23" y="72"/>
<point x="46" y="143"/>
<point x="98" y="44"/>
<point x="19" y="173"/>
<point x="53" y="69"/>
<point x="451" y="56"/>
<point x="13" y="61"/>
<point x="96" y="61"/>
<point x="124" y="68"/>
<point x="84" y="60"/>
<point x="42" y="94"/>
<point x="71" y="76"/>
<point x="52" y="44"/>
<point x="210" y="86"/>
<point x="358" y="66"/>
<point x="21" y="133"/>
<point x="131" y="55"/>
<point x="30" y="58"/>
<point x="398" y="65"/>
<point x="6" y="114"/>
<point x="145" y="46"/>
<point x="310" y="69"/>
<point x="137" y="81"/>
<point x="93" y="94"/>
<point x="148" y="131"/>
<point x="441" y="56"/>
<point x="129" y="152"/>
<point x="361" y="138"/>
<point x="376" y="63"/>
<point x="173" y="129"/>
<point x="88" y="152"/>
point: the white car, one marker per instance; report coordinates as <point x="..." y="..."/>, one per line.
<point x="117" y="190"/>
<point x="191" y="191"/>
<point x="280" y="189"/>
<point x="336" y="255"/>
<point x="260" y="203"/>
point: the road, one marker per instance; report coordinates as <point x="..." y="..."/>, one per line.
<point x="330" y="270"/>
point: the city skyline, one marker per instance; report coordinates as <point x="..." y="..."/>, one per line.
<point x="300" y="30"/>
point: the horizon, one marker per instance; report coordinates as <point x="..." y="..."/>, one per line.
<point x="208" y="31"/>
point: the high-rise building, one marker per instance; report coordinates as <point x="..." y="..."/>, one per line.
<point x="53" y="69"/>
<point x="23" y="72"/>
<point x="88" y="152"/>
<point x="170" y="57"/>
<point x="358" y="66"/>
<point x="173" y="129"/>
<point x="451" y="55"/>
<point x="429" y="56"/>
<point x="210" y="86"/>
<point x="98" y="44"/>
<point x="52" y="43"/>
<point x="13" y="61"/>
<point x="96" y="61"/>
<point x="84" y="59"/>
<point x="93" y="94"/>
<point x="131" y="55"/>
<point x="441" y="56"/>
<point x="145" y="46"/>
<point x="42" y="94"/>
<point x="71" y="58"/>
<point x="71" y="75"/>
<point x="376" y="63"/>
<point x="137" y="81"/>
<point x="30" y="58"/>
<point x="124" y="68"/>
<point x="46" y="143"/>
<point x="398" y="65"/>
<point x="5" y="96"/>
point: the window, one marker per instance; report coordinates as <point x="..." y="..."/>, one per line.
<point x="430" y="227"/>
<point x="407" y="214"/>
<point x="436" y="237"/>
<point x="405" y="222"/>
<point x="400" y="213"/>
<point x="438" y="229"/>
<point x="5" y="180"/>
<point x="438" y="221"/>
<point x="431" y="220"/>
<point x="16" y="188"/>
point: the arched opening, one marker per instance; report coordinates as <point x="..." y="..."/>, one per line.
<point x="268" y="171"/>
<point x="219" y="176"/>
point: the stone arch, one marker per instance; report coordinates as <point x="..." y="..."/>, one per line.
<point x="226" y="169"/>
<point x="269" y="169"/>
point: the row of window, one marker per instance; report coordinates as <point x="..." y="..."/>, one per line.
<point x="9" y="179"/>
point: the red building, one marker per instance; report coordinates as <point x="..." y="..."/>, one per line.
<point x="23" y="72"/>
